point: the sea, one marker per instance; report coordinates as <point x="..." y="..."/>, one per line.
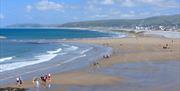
<point x="24" y="46"/>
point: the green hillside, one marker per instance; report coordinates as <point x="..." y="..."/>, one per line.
<point x="158" y="20"/>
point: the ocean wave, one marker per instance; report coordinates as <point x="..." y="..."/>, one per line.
<point x="72" y="48"/>
<point x="66" y="45"/>
<point x="3" y="37"/>
<point x="54" y="52"/>
<point x="122" y="36"/>
<point x="6" y="58"/>
<point x="74" y="58"/>
<point x="36" y="60"/>
<point x="49" y="55"/>
<point x="86" y="50"/>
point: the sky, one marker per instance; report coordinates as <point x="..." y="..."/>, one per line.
<point x="63" y="11"/>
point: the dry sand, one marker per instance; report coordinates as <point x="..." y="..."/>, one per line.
<point x="124" y="50"/>
<point x="138" y="49"/>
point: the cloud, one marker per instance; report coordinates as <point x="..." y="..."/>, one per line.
<point x="101" y="16"/>
<point x="134" y="3"/>
<point x="75" y="18"/>
<point x="128" y="3"/>
<point x="45" y="5"/>
<point x="108" y="2"/>
<point x="48" y="5"/>
<point x="161" y="3"/>
<point x="2" y="16"/>
<point x="29" y="8"/>
<point x="128" y="8"/>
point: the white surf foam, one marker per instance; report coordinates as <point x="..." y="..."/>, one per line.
<point x="6" y="58"/>
<point x="66" y="45"/>
<point x="49" y="55"/>
<point x="72" y="48"/>
<point x="86" y="50"/>
<point x="74" y="58"/>
<point x="36" y="60"/>
<point x="56" y="51"/>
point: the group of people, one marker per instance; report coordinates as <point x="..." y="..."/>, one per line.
<point x="106" y="56"/>
<point x="44" y="80"/>
<point x="167" y="46"/>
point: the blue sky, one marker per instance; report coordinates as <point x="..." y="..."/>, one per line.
<point x="62" y="11"/>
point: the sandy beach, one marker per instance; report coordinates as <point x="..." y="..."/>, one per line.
<point x="90" y="45"/>
<point x="95" y="76"/>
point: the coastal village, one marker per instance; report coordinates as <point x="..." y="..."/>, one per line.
<point x="174" y="28"/>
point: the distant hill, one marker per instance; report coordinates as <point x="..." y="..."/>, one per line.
<point x="171" y="20"/>
<point x="157" y="20"/>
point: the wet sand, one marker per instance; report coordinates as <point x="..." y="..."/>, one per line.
<point x="135" y="65"/>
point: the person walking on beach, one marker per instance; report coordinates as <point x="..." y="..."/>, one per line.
<point x="36" y="82"/>
<point x="49" y="77"/>
<point x="46" y="80"/>
<point x="49" y="80"/>
<point x="19" y="81"/>
<point x="43" y="80"/>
